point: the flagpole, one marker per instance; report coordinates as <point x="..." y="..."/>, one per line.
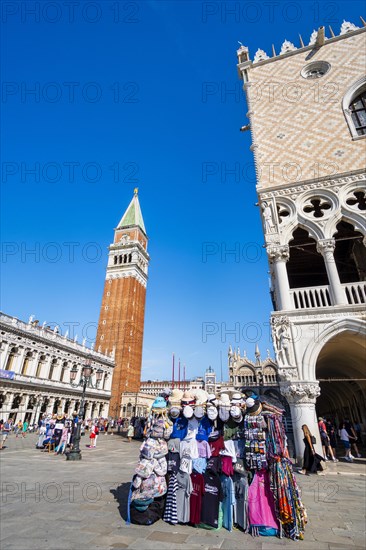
<point x="173" y="374"/>
<point x="179" y="374"/>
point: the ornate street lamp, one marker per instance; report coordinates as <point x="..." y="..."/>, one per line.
<point x="85" y="381"/>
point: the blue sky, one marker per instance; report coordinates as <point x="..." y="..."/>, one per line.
<point x="140" y="94"/>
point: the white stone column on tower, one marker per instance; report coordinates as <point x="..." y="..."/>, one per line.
<point x="326" y="248"/>
<point x="301" y="397"/>
<point x="278" y="256"/>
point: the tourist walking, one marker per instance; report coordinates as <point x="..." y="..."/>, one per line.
<point x="352" y="438"/>
<point x="19" y="428"/>
<point x="311" y="463"/>
<point x="344" y="437"/>
<point x="326" y="446"/>
<point x="130" y="432"/>
<point x="94" y="430"/>
<point x="25" y="428"/>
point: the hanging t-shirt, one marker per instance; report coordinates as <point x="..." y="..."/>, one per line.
<point x="204" y="429"/>
<point x="171" y="510"/>
<point x="229" y="450"/>
<point x="199" y="464"/>
<point x="180" y="425"/>
<point x="227" y="465"/>
<point x="195" y="502"/>
<point x="217" y="446"/>
<point x="204" y="450"/>
<point x="189" y="448"/>
<point x="241" y="501"/>
<point x="211" y="498"/>
<point x="192" y="428"/>
<point x="228" y="501"/>
<point x="173" y="460"/>
<point x="183" y="495"/>
<point x="214" y="464"/>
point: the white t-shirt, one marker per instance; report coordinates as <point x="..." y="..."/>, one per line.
<point x="189" y="448"/>
<point x="343" y="434"/>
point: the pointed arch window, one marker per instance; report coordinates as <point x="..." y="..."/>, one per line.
<point x="354" y="108"/>
<point x="358" y="113"/>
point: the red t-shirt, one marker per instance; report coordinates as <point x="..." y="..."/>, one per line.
<point x="195" y="502"/>
<point x="217" y="446"/>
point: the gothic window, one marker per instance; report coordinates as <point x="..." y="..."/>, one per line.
<point x="115" y="260"/>
<point x="305" y="267"/>
<point x="10" y="360"/>
<point x="358" y="113"/>
<point x="349" y="254"/>
<point x="354" y="108"/>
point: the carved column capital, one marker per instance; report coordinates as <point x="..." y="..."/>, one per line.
<point x="325" y="246"/>
<point x="278" y="253"/>
<point x="300" y="392"/>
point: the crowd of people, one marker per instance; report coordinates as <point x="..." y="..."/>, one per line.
<point x="57" y="432"/>
<point x="346" y="433"/>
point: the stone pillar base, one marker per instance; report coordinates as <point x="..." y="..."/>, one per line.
<point x="302" y="398"/>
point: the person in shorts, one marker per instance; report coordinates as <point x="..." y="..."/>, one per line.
<point x="6" y="427"/>
<point x="344" y="437"/>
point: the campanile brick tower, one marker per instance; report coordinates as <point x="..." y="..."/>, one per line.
<point x="121" y="321"/>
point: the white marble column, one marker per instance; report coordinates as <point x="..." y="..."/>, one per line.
<point x="23" y="406"/>
<point x="326" y="248"/>
<point x="50" y="405"/>
<point x="18" y="361"/>
<point x="32" y="367"/>
<point x="4" y="354"/>
<point x="301" y="397"/>
<point x="278" y="256"/>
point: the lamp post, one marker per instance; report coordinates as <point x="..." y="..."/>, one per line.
<point x="85" y="381"/>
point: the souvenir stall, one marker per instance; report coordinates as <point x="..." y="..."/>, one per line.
<point x="215" y="462"/>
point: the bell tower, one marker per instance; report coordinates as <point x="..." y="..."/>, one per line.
<point x="121" y="320"/>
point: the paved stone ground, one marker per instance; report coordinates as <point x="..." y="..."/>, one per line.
<point x="50" y="503"/>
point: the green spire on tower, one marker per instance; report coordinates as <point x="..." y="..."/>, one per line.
<point x="133" y="215"/>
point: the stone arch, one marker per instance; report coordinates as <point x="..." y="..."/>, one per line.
<point x="302" y="247"/>
<point x="353" y="91"/>
<point x="314" y="348"/>
<point x="315" y="231"/>
<point x="357" y="220"/>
